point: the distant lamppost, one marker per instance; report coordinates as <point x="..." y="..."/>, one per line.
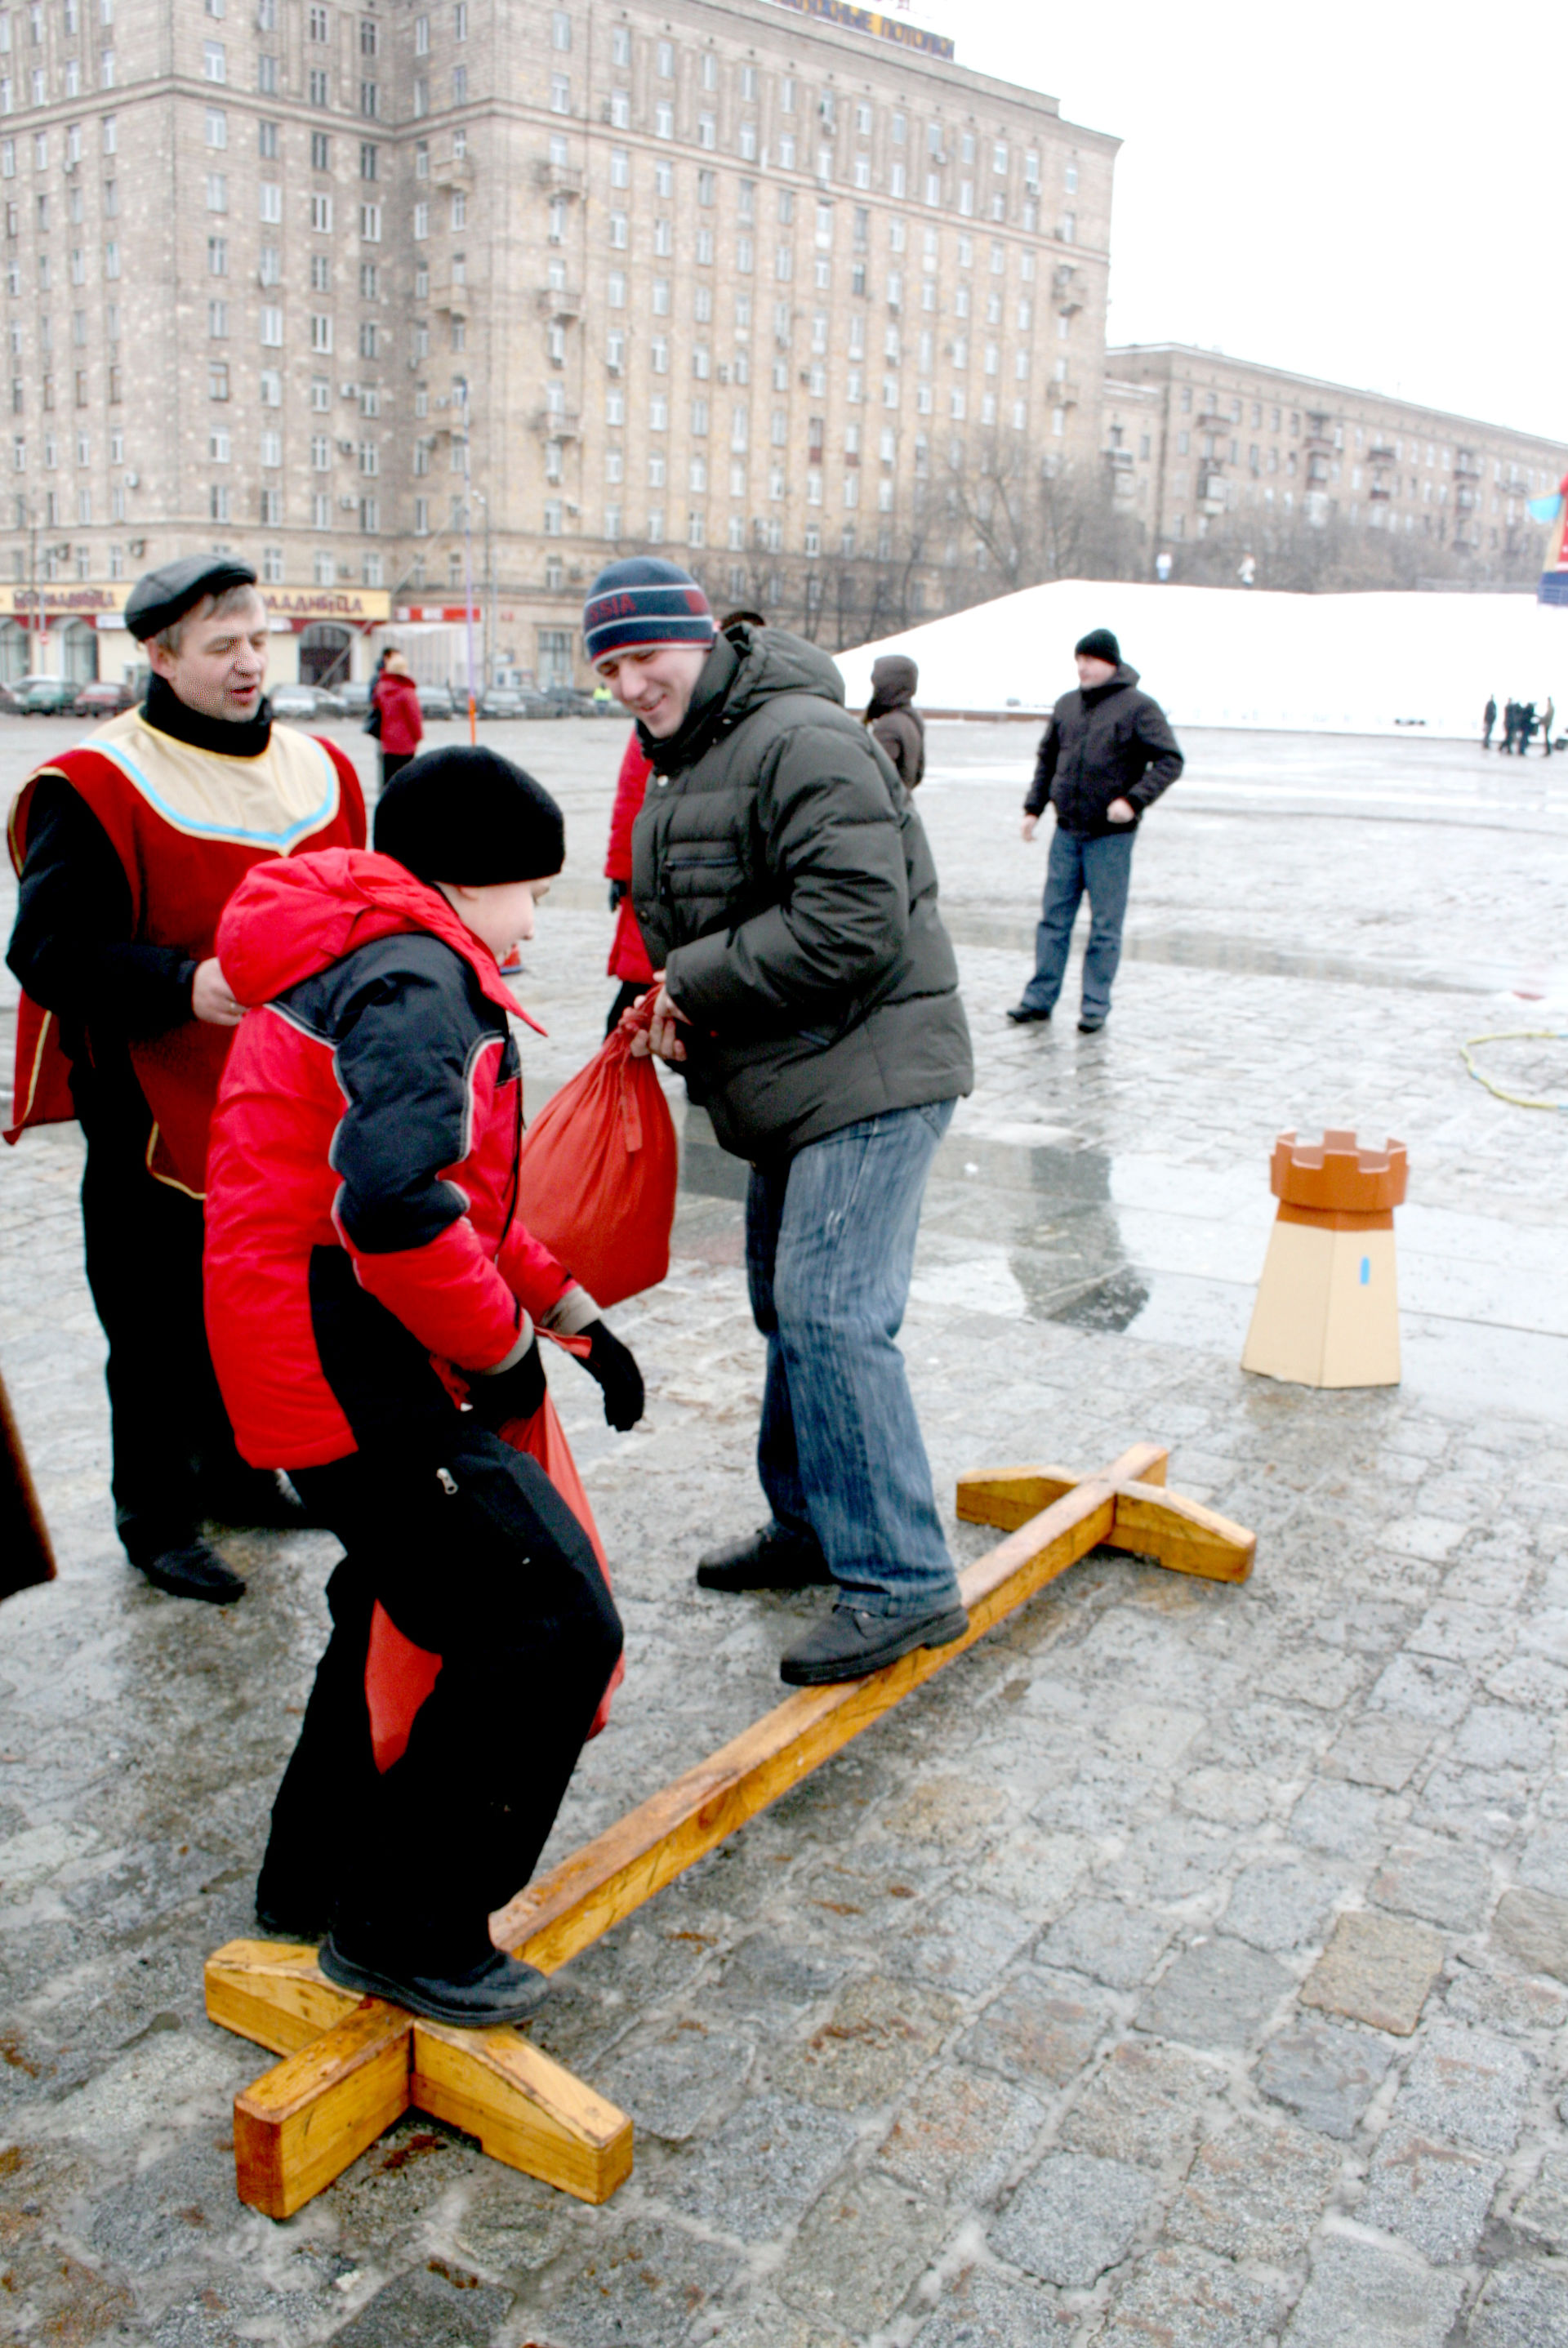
<point x="460" y="390"/>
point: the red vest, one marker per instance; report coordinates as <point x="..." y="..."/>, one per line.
<point x="187" y="824"/>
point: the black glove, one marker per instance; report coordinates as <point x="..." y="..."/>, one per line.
<point x="610" y="1363"/>
<point x="516" y="1393"/>
<point x="617" y="891"/>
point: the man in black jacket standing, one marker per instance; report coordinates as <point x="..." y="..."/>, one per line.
<point x="787" y="895"/>
<point x="1107" y="754"/>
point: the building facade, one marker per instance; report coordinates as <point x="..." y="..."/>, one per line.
<point x="381" y="295"/>
<point x="1233" y="447"/>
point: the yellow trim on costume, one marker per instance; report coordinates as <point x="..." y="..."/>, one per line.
<point x="169" y="1181"/>
<point x="21" y="1113"/>
<point x="270" y="802"/>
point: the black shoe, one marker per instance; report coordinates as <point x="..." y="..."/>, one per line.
<point x="1090" y="1026"/>
<point x="187" y="1568"/>
<point x="497" y="1989"/>
<point x="846" y="1643"/>
<point x="255" y="1498"/>
<point x="773" y="1558"/>
<point x="1023" y="1015"/>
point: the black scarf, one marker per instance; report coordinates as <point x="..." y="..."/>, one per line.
<point x="244" y="737"/>
<point x="705" y="713"/>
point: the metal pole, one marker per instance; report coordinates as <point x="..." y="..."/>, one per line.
<point x="468" y="559"/>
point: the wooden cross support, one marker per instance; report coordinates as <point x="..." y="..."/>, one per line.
<point x="353" y="2066"/>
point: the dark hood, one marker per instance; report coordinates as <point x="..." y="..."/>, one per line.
<point x="893" y="681"/>
<point x="745" y="667"/>
<point x="1125" y="676"/>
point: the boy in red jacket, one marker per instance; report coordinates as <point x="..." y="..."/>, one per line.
<point x="364" y="1273"/>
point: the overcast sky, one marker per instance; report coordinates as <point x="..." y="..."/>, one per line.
<point x="1361" y="189"/>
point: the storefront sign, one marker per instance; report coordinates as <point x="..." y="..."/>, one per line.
<point x="75" y="602"/>
<point x="428" y="612"/>
<point x="357" y="606"/>
<point x="871" y="20"/>
<point x="296" y="606"/>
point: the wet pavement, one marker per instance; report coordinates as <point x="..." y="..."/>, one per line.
<point x="1185" y="1964"/>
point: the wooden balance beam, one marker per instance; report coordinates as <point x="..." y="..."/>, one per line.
<point x="352" y="2065"/>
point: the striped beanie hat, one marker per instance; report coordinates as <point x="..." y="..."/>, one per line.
<point x="645" y="602"/>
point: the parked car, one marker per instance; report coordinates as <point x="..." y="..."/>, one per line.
<point x="538" y="705"/>
<point x="296" y="704"/>
<point x="436" y="700"/>
<point x="500" y="701"/>
<point x="354" y="699"/>
<point x="46" y="696"/>
<point x="103" y="699"/>
<point x="570" y="701"/>
<point x="8" y="701"/>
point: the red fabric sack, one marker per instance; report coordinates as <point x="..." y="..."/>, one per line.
<point x="398" y="1675"/>
<point x="598" y="1170"/>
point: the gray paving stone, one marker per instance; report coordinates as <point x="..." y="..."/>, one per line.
<point x="961" y="2135"/>
<point x="1111" y="1942"/>
<point x="1219" y="1993"/>
<point x="1326" y="2074"/>
<point x="1436" y="1879"/>
<point x="1486" y="1807"/>
<point x="1178" y="2297"/>
<point x="979" y="2308"/>
<point x="1504" y="2001"/>
<point x="1317" y="1675"/>
<point x="421" y="2306"/>
<point x="1425" y="1688"/>
<point x="878" y="2036"/>
<point x="1143" y="2104"/>
<point x="1501" y="1737"/>
<point x="858" y="2254"/>
<point x="1278" y="1903"/>
<point x="1468" y="2084"/>
<point x="1542" y="2209"/>
<point x="762" y="2168"/>
<point x="963" y="1941"/>
<point x="1531" y="1681"/>
<point x="674" y="2086"/>
<point x="1433" y="2195"/>
<point x="1041" y="2031"/>
<point x="951" y="1812"/>
<point x="1072" y="2217"/>
<point x="1256" y="2192"/>
<point x="769" y="1975"/>
<point x="1171" y="1860"/>
<point x="1230" y="1796"/>
<point x="1102" y="1797"/>
<point x="1378" y="1750"/>
<point x="1523" y="2306"/>
<point x="1532" y="1926"/>
<point x="1376" y="1968"/>
<point x="1345" y="1821"/>
<point x="1360" y="2293"/>
<point x="1543" y="1863"/>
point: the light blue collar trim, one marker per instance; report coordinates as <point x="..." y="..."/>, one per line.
<point x="195" y="829"/>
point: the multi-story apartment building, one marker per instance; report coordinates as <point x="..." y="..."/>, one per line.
<point x="355" y="289"/>
<point x="1230" y="438"/>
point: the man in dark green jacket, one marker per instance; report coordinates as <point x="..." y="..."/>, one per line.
<point x="786" y="890"/>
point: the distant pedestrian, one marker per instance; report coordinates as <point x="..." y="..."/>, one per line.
<point x="896" y="725"/>
<point x="1527" y="723"/>
<point x="1106" y="754"/>
<point x="1489" y="715"/>
<point x="1510" y="726"/>
<point x="397" y="698"/>
<point x="1548" y="721"/>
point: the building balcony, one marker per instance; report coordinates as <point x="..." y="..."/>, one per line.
<point x="1467" y="465"/>
<point x="557" y="423"/>
<point x="449" y="293"/>
<point x="558" y="179"/>
<point x="453" y="171"/>
<point x="1063" y="391"/>
<point x="1383" y="455"/>
<point x="1120" y="460"/>
<point x="559" y="301"/>
<point x="1379" y="494"/>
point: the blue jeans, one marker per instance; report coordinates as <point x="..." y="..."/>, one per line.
<point x="829" y="1244"/>
<point x="1103" y="867"/>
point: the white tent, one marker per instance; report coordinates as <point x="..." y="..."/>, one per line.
<point x="1236" y="656"/>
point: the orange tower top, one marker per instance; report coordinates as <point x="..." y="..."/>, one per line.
<point x="1337" y="1176"/>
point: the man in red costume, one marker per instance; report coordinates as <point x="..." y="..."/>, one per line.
<point x="128" y="849"/>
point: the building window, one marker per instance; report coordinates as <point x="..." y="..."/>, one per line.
<point x="214" y="62"/>
<point x="220" y="503"/>
<point x="320" y="332"/>
<point x="559" y="94"/>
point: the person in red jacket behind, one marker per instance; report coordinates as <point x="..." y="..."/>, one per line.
<point x="397" y="698"/>
<point x="628" y="955"/>
<point x="364" y="1269"/>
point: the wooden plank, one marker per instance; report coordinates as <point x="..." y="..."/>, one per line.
<point x="524" y="2108"/>
<point x="1181" y="1534"/>
<point x="306" y="2120"/>
<point x="604" y="1881"/>
<point x="272" y="1992"/>
<point x="1012" y="1496"/>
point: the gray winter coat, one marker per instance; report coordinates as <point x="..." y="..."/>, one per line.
<point x="784" y="882"/>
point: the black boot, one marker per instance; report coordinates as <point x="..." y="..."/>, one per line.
<point x="773" y="1558"/>
<point x="846" y="1643"/>
<point x="493" y="1987"/>
<point x="176" y="1558"/>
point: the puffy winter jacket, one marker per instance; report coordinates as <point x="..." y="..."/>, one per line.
<point x="402" y="721"/>
<point x="784" y="882"/>
<point x="361" y="1239"/>
<point x="1104" y="742"/>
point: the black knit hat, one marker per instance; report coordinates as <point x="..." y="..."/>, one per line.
<point x="465" y="815"/>
<point x="1098" y="645"/>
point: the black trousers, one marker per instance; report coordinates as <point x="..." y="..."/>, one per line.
<point x="393" y="762"/>
<point x="172" y="1445"/>
<point x="497" y="1577"/>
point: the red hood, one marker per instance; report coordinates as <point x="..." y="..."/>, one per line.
<point x="294" y="915"/>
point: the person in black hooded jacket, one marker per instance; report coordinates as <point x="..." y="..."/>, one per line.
<point x="1106" y="756"/>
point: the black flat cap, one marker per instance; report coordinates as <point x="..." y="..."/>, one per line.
<point x="162" y="596"/>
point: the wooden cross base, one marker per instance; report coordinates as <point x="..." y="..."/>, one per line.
<point x="354" y="2065"/>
